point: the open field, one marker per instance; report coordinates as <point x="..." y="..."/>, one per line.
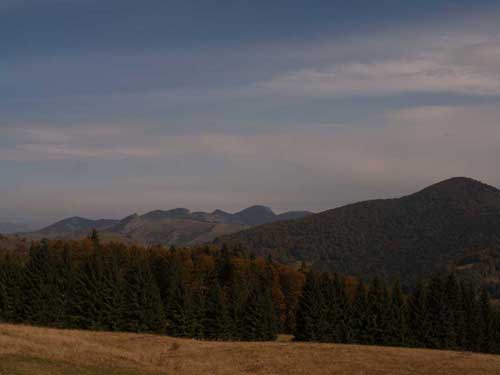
<point x="27" y="350"/>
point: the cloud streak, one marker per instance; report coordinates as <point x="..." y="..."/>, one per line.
<point x="451" y="70"/>
<point x="118" y="115"/>
<point x="316" y="169"/>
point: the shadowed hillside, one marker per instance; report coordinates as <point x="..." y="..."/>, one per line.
<point x="408" y="237"/>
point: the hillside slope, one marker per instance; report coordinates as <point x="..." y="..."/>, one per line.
<point x="408" y="237"/>
<point x="27" y="350"/>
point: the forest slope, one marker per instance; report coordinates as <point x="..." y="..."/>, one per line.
<point x="409" y="237"/>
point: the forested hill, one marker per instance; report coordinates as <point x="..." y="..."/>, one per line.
<point x="452" y="224"/>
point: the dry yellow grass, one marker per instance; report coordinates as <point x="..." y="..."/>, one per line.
<point x="27" y="350"/>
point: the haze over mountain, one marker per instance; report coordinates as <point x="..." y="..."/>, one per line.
<point x="452" y="224"/>
<point x="178" y="226"/>
<point x="8" y="227"/>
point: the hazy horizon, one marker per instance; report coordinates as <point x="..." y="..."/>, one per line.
<point x="110" y="108"/>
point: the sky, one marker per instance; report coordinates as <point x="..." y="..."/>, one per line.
<point x="109" y="107"/>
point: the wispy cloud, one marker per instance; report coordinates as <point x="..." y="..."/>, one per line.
<point x="132" y="124"/>
<point x="81" y="143"/>
<point x="449" y="70"/>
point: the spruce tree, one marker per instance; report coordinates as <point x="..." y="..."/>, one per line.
<point x="11" y="298"/>
<point x="473" y="327"/>
<point x="487" y="324"/>
<point x="336" y="306"/>
<point x="377" y="313"/>
<point x="418" y="317"/>
<point x="342" y="326"/>
<point x="453" y="314"/>
<point x="259" y="323"/>
<point x="237" y="291"/>
<point x="43" y="302"/>
<point x="144" y="309"/>
<point x="436" y="308"/>
<point x="179" y="308"/>
<point x="398" y="317"/>
<point x="216" y="324"/>
<point x="358" y="316"/>
<point x="310" y="313"/>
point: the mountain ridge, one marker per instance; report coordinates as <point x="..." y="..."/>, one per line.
<point x="407" y="237"/>
<point x="178" y="226"/>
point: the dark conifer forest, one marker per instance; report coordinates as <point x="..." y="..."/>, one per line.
<point x="443" y="313"/>
<point x="204" y="292"/>
<point x="222" y="293"/>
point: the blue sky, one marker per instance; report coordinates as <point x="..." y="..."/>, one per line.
<point x="110" y="107"/>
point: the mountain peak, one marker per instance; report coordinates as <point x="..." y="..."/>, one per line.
<point x="220" y="212"/>
<point x="75" y="219"/>
<point x="462" y="181"/>
<point x="409" y="237"/>
<point x="256" y="208"/>
<point x="75" y="224"/>
<point x="161" y="214"/>
<point x="256" y="215"/>
<point x="458" y="188"/>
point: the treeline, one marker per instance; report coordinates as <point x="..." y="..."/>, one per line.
<point x="443" y="313"/>
<point x="223" y="293"/>
<point x="204" y="293"/>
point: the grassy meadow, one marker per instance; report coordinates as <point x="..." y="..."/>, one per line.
<point x="28" y="350"/>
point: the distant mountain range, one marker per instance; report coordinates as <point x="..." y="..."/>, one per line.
<point x="8" y="228"/>
<point x="454" y="224"/>
<point x="179" y="226"/>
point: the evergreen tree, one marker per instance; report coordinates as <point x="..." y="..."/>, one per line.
<point x="398" y="318"/>
<point x="237" y="292"/>
<point x="11" y="297"/>
<point x="358" y="322"/>
<point x="259" y="320"/>
<point x="68" y="280"/>
<point x="335" y="315"/>
<point x="144" y="309"/>
<point x="118" y="291"/>
<point x="419" y="319"/>
<point x="204" y="293"/>
<point x="43" y="302"/>
<point x="310" y="316"/>
<point x="89" y="306"/>
<point x="473" y="327"/>
<point x="342" y="323"/>
<point x="487" y="324"/>
<point x="452" y="315"/>
<point x="377" y="311"/>
<point x="94" y="237"/>
<point x="216" y="322"/>
<point x="179" y="308"/>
